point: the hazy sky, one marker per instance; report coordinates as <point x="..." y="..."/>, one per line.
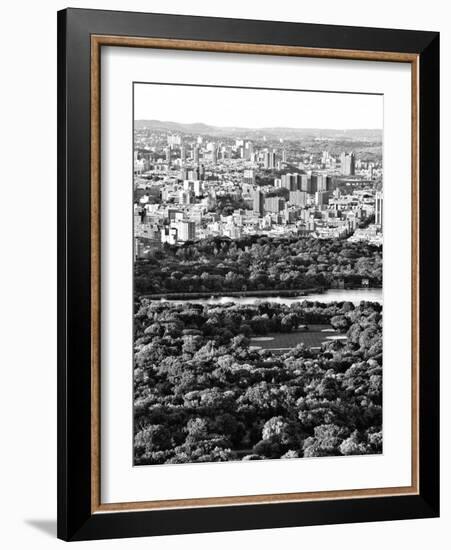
<point x="257" y="108"/>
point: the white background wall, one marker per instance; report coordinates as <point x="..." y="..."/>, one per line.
<point x="28" y="271"/>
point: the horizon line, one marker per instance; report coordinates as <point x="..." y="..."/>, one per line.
<point x="257" y="127"/>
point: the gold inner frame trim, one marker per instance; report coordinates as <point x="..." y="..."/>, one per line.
<point x="97" y="41"/>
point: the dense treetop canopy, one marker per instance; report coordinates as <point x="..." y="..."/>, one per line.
<point x="203" y="392"/>
<point x="257" y="263"/>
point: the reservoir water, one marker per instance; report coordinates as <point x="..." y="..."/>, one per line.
<point x="332" y="295"/>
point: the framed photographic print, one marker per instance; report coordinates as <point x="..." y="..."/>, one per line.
<point x="248" y="274"/>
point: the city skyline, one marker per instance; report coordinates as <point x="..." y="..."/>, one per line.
<point x="258" y="108"/>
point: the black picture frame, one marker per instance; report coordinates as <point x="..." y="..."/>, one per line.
<point x="75" y="518"/>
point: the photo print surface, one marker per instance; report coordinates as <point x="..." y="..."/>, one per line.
<point x="257" y="239"/>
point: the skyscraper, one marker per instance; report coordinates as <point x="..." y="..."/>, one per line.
<point x="313" y="183"/>
<point x="379" y="209"/>
<point x="269" y="160"/>
<point x="186" y="231"/>
<point x="291" y="181"/>
<point x="259" y="200"/>
<point x="249" y="150"/>
<point x="304" y="183"/>
<point x="347" y="164"/>
<point x="272" y="160"/>
<point x="324" y="182"/>
<point x="274" y="204"/>
<point x="196" y="154"/>
<point x="182" y="154"/>
<point x="322" y="198"/>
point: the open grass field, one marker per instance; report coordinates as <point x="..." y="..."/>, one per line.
<point x="281" y="342"/>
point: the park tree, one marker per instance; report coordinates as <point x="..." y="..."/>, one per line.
<point x="326" y="441"/>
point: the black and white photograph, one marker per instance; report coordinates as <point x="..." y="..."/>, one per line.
<point x="227" y="325"/>
<point x="258" y="232"/>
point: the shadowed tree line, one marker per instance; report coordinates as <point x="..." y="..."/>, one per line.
<point x="257" y="263"/>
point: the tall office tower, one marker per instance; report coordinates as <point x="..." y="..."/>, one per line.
<point x="343" y="163"/>
<point x="250" y="150"/>
<point x="379" y="209"/>
<point x="167" y="154"/>
<point x="272" y="160"/>
<point x="214" y="155"/>
<point x="186" y="231"/>
<point x="284" y="156"/>
<point x="274" y="204"/>
<point x="196" y="154"/>
<point x="259" y="201"/>
<point x="299" y="198"/>
<point x="324" y="183"/>
<point x="352" y="164"/>
<point x="322" y="198"/>
<point x="290" y="182"/>
<point x="201" y="172"/>
<point x="269" y="160"/>
<point x="347" y="164"/>
<point x="303" y="182"/>
<point x="182" y="154"/>
<point x="285" y="181"/>
<point x="320" y="183"/>
<point x="313" y="183"/>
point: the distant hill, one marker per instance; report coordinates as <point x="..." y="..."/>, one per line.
<point x="282" y="132"/>
<point x="194" y="128"/>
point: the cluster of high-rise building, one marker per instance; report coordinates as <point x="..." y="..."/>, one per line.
<point x="191" y="187"/>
